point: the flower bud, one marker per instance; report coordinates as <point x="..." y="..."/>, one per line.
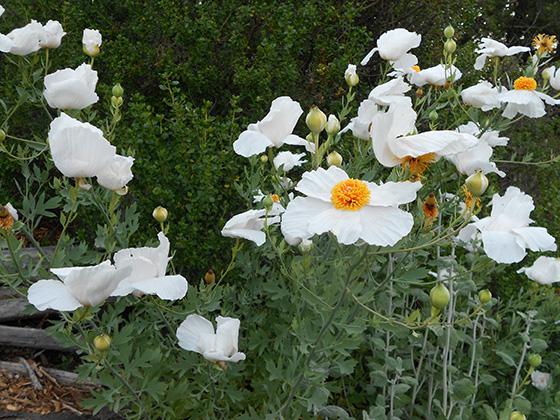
<point x="102" y="342"/>
<point x="450" y="46"/>
<point x="117" y="90"/>
<point x="268" y="202"/>
<point x="449" y="31"/>
<point x="160" y="214"/>
<point x="545" y="74"/>
<point x="210" y="276"/>
<point x="439" y="296"/>
<point x="94" y="52"/>
<point x="419" y="92"/>
<point x="316" y="120"/>
<point x="2" y="135"/>
<point x="334" y="159"/>
<point x="534" y="360"/>
<point x="477" y="183"/>
<point x="484" y="296"/>
<point x="264" y="158"/>
<point x="517" y="415"/>
<point x="433" y="116"/>
<point x="333" y="126"/>
<point x="350" y="75"/>
<point x="305" y="245"/>
<point x="116" y="101"/>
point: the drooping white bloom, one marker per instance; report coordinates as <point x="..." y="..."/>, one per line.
<point x="249" y="225"/>
<point x="490" y="48"/>
<point x="91" y="39"/>
<point x="273" y="130"/>
<point x="477" y="158"/>
<point x="545" y="270"/>
<point x="436" y="76"/>
<point x="506" y="233"/>
<point x="71" y="89"/>
<point x="360" y="125"/>
<point x="391" y="92"/>
<point x="288" y="160"/>
<point x="553" y="77"/>
<point x="540" y="379"/>
<point x="351" y="209"/>
<point x="197" y="334"/>
<point x="482" y="95"/>
<point x="394" y="46"/>
<point x="393" y="146"/>
<point x="78" y="286"/>
<point x="78" y="149"/>
<point x="23" y="41"/>
<point x="54" y="33"/>
<point x="117" y="173"/>
<point x="527" y="102"/>
<point x="147" y="267"/>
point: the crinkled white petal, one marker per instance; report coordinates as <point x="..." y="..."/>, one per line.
<point x="170" y="287"/>
<point x="52" y="294"/>
<point x="247" y="225"/>
<point x="190" y="331"/>
<point x="545" y="270"/>
<point x="503" y="247"/>
<point x="288" y="160"/>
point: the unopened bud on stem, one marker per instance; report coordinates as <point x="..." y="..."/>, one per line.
<point x="160" y="214"/>
<point x="316" y="120"/>
<point x="477" y="183"/>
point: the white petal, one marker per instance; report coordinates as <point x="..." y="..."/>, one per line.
<point x="502" y="247"/>
<point x="393" y="193"/>
<point x="536" y="238"/>
<point x="384" y="226"/>
<point x="251" y="143"/>
<point x="167" y="287"/>
<point x="190" y="331"/>
<point x="52" y="294"/>
<point x="319" y="183"/>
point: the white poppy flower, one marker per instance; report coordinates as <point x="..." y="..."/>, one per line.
<point x="360" y="125"/>
<point x="476" y="158"/>
<point x="197" y="334"/>
<point x="393" y="146"/>
<point x="506" y="233"/>
<point x="148" y="266"/>
<point x="524" y="99"/>
<point x="78" y="286"/>
<point x="490" y="48"/>
<point x="545" y="270"/>
<point x="540" y="379"/>
<point x="390" y="92"/>
<point x="91" y="39"/>
<point x="553" y="76"/>
<point x="436" y="76"/>
<point x="249" y="224"/>
<point x="482" y="95"/>
<point x="394" y="46"/>
<point x="273" y="130"/>
<point x="78" y="149"/>
<point x="54" y="33"/>
<point x="23" y="41"/>
<point x="117" y="173"/>
<point x="71" y="89"/>
<point x="288" y="160"/>
<point x="349" y="208"/>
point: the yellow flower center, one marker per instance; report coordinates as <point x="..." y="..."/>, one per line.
<point x="525" y="83"/>
<point x="275" y="198"/>
<point x="417" y="165"/>
<point x="545" y="43"/>
<point x="416" y="68"/>
<point x="351" y="194"/>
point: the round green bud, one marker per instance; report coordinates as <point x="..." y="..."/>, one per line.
<point x="268" y="202"/>
<point x="477" y="183"/>
<point x="316" y="120"/>
<point x="433" y="116"/>
<point x="160" y="214"/>
<point x="264" y="158"/>
<point x="334" y="159"/>
<point x="534" y="360"/>
<point x="439" y="296"/>
<point x="449" y="31"/>
<point x="102" y="342"/>
<point x="333" y="125"/>
<point x="2" y="135"/>
<point x="517" y="415"/>
<point x="117" y="90"/>
<point x="484" y="296"/>
<point x="116" y="101"/>
<point x="450" y="46"/>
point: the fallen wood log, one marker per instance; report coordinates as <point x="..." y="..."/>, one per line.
<point x="61" y="376"/>
<point x="12" y="309"/>
<point x="31" y="338"/>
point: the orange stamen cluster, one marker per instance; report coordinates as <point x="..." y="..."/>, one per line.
<point x="525" y="83"/>
<point x="350" y="195"/>
<point x="545" y="43"/>
<point x="6" y="218"/>
<point x="417" y="165"/>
